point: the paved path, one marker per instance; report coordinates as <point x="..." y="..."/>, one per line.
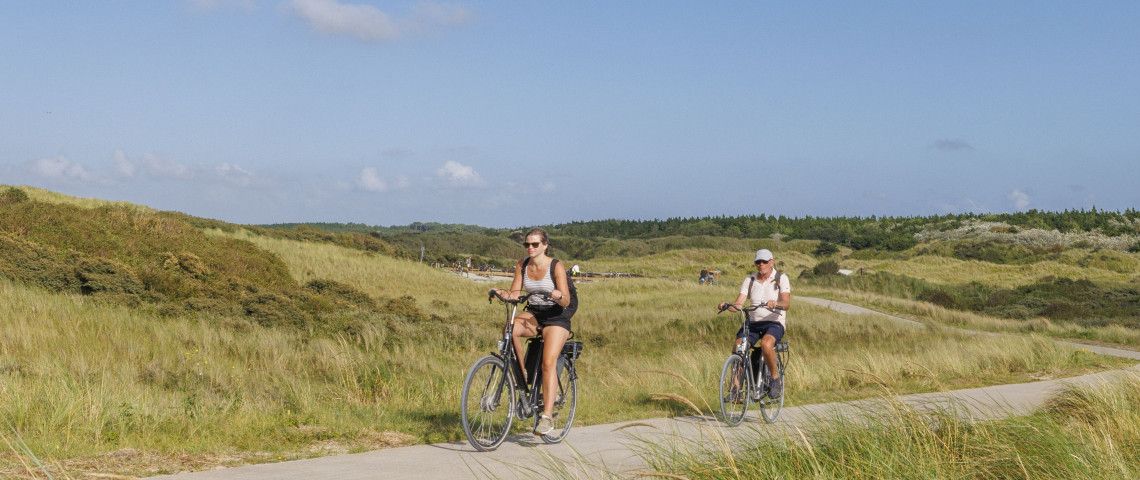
<point x="591" y="451"/>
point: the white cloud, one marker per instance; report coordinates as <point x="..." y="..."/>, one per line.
<point x="547" y="187"/>
<point x="163" y="167"/>
<point x="370" y="180"/>
<point x="123" y="164"/>
<point x="370" y="24"/>
<point x="234" y="174"/>
<point x="459" y="175"/>
<point x="152" y="165"/>
<point x="364" y="22"/>
<point x="1019" y="198"/>
<point x="61" y="168"/>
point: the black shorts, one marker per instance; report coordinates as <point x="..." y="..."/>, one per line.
<point x="557" y="316"/>
<point x="757" y="330"/>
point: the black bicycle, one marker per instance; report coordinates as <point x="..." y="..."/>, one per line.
<point x="737" y="385"/>
<point x="496" y="390"/>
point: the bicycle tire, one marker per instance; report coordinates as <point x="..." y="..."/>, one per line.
<point x="566" y="404"/>
<point x="735" y="386"/>
<point x="770" y="407"/>
<point x="489" y="381"/>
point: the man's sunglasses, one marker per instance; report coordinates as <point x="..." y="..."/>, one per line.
<point x="761" y="262"/>
<point x="534" y="245"/>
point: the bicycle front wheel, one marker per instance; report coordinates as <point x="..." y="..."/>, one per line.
<point x="734" y="388"/>
<point x="488" y="403"/>
<point x="565" y="403"/>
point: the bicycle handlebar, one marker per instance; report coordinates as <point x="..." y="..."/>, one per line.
<point x="493" y="294"/>
<point x="750" y="308"/>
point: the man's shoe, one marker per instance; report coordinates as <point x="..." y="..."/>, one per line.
<point x="545" y="425"/>
<point x="776" y="389"/>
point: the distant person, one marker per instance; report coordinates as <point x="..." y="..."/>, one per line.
<point x="540" y="273"/>
<point x="704" y="277"/>
<point x="575" y="271"/>
<point x="771" y="289"/>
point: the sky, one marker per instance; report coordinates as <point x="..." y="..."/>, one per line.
<point x="512" y="114"/>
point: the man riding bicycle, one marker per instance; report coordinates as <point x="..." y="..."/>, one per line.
<point x="771" y="289"/>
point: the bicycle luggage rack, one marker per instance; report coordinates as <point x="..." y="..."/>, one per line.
<point x="572" y="349"/>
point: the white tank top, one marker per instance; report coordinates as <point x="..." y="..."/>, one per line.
<point x="544" y="285"/>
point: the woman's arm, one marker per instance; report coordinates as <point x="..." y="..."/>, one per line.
<point x="562" y="297"/>
<point x="516" y="283"/>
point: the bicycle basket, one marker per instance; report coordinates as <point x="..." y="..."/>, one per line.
<point x="572" y="350"/>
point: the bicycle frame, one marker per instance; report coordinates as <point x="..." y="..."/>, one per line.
<point x="496" y="381"/>
<point x="519" y="381"/>
<point x="753" y="383"/>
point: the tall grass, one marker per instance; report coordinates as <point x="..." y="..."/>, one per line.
<point x="42" y="195"/>
<point x="686" y="264"/>
<point x="944" y="270"/>
<point x="1110" y="334"/>
<point x="1081" y="433"/>
<point x="101" y="387"/>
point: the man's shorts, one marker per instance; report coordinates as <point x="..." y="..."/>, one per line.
<point x="757" y="330"/>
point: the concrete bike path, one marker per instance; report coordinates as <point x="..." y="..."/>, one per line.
<point x="599" y="451"/>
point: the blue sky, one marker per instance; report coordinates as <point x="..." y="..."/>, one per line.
<point x="513" y="114"/>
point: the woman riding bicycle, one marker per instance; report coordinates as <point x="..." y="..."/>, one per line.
<point x="771" y="289"/>
<point x="540" y="273"/>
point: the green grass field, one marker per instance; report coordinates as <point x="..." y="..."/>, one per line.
<point x="85" y="379"/>
<point x="1081" y="433"/>
<point x="112" y="384"/>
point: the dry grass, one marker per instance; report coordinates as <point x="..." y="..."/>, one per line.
<point x="83" y="380"/>
<point x="944" y="270"/>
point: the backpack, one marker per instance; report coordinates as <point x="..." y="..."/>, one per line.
<point x="752" y="280"/>
<point x="569" y="278"/>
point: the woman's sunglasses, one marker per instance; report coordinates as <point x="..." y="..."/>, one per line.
<point x="761" y="262"/>
<point x="533" y="245"/>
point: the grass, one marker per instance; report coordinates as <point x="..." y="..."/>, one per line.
<point x="944" y="270"/>
<point x="48" y="196"/>
<point x="94" y="386"/>
<point x="1080" y="433"/>
<point x="685" y="264"/>
<point x="1111" y="334"/>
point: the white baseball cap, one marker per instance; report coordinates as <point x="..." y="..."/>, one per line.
<point x="763" y="254"/>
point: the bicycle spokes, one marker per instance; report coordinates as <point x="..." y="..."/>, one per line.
<point x="734" y="387"/>
<point x="485" y="420"/>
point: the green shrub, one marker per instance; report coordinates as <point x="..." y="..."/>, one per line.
<point x="938" y="297"/>
<point x="826" y="248"/>
<point x="160" y="261"/>
<point x="1110" y="260"/>
<point x="826" y="267"/>
<point x="993" y="252"/>
<point x="101" y="275"/>
<point x="275" y="310"/>
<point x="404" y="306"/>
<point x="13" y="195"/>
<point x="341" y="293"/>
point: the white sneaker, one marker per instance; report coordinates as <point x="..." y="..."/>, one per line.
<point x="544" y="426"/>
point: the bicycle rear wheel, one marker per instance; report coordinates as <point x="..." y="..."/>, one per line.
<point x="770" y="407"/>
<point x="565" y="403"/>
<point x="734" y="388"/>
<point x="488" y="403"/>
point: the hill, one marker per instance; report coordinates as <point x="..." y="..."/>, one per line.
<point x="137" y="342"/>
